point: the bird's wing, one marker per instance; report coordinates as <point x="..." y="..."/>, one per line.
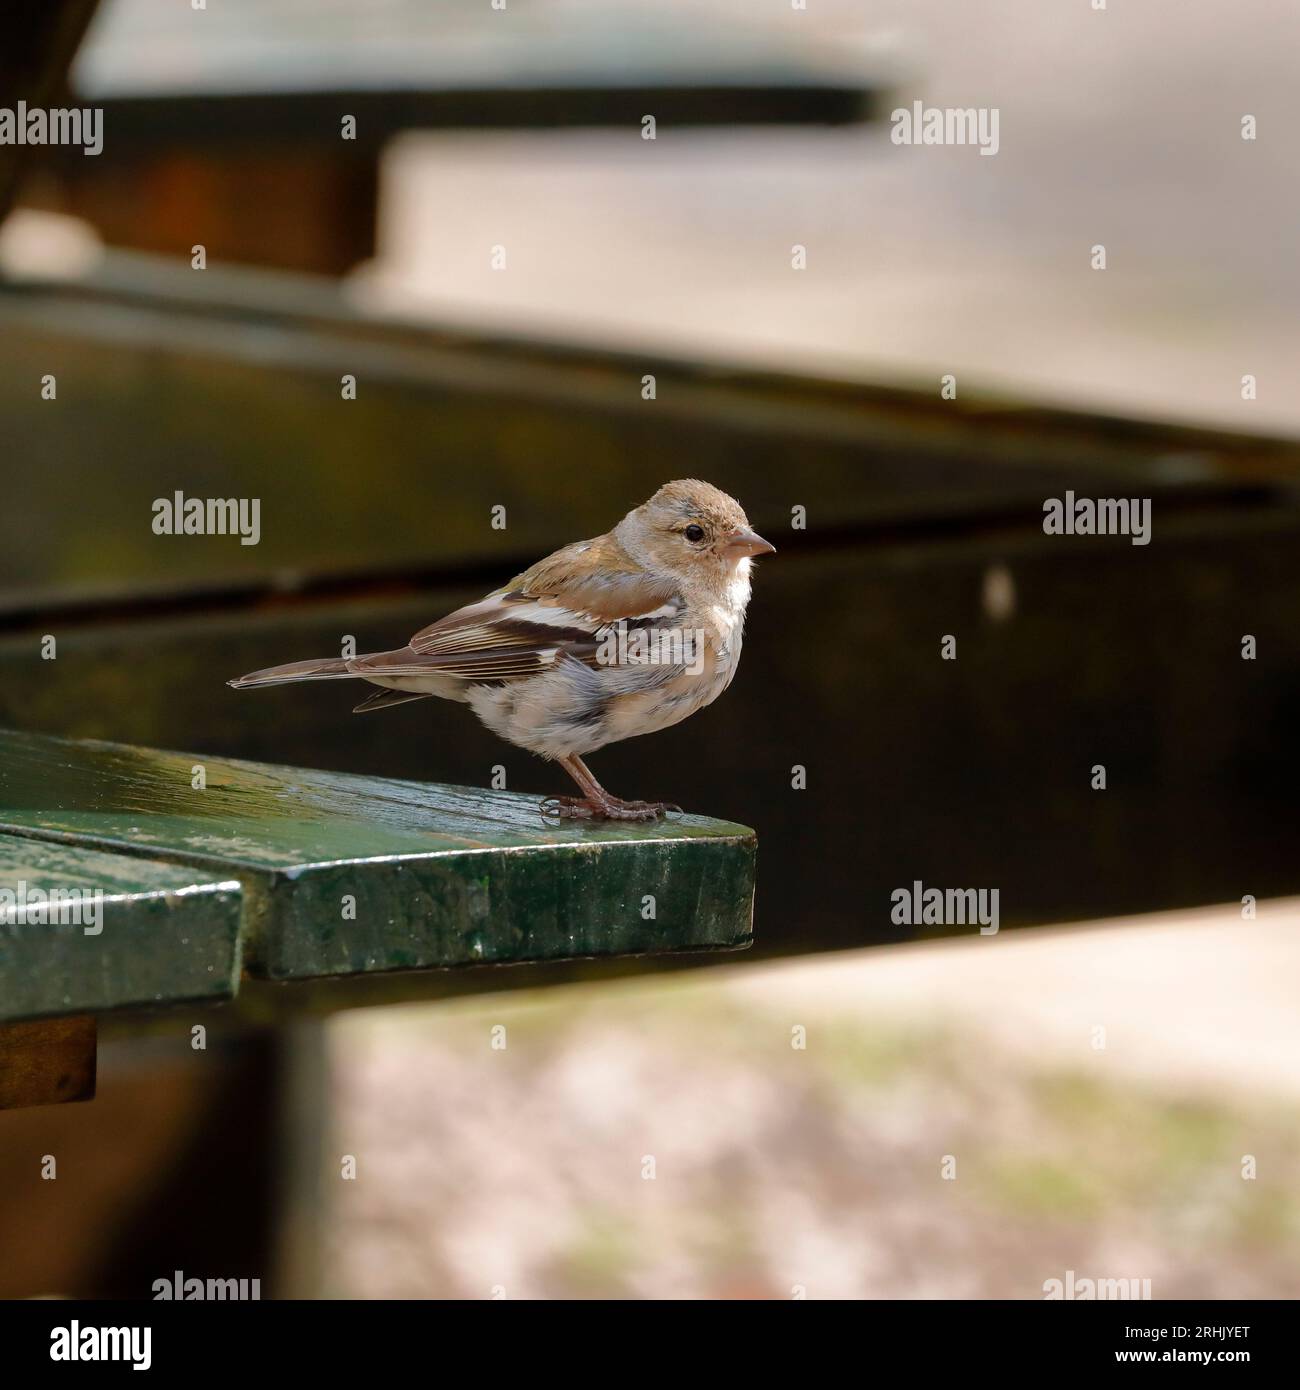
<point x="561" y="608"/>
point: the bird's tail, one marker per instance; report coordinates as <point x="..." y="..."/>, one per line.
<point x="328" y="668"/>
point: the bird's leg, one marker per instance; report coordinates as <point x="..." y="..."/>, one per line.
<point x="596" y="803"/>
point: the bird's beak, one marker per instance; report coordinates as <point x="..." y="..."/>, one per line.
<point x="747" y="542"/>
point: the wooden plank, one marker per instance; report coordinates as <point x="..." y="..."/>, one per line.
<point x="255" y="71"/>
<point x="465" y="423"/>
<point x="50" y="1062"/>
<point x="144" y="128"/>
<point x="135" y="931"/>
<point x="346" y="875"/>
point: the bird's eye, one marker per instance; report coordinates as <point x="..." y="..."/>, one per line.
<point x="694" y="533"/>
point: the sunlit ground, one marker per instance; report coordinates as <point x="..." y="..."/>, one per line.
<point x="1123" y="1153"/>
<point x="1119" y="128"/>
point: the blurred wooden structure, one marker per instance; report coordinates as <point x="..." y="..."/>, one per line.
<point x="264" y="143"/>
<point x="924" y="519"/>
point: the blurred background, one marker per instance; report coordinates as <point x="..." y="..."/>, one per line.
<point x="515" y="137"/>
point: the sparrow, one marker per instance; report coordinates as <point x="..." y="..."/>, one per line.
<point x="602" y="641"/>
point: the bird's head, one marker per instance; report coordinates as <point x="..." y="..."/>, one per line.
<point x="692" y="529"/>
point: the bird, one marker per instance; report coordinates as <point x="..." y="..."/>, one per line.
<point x="603" y="640"/>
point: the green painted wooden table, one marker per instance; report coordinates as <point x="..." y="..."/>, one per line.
<point x="128" y="931"/>
<point x="213" y="870"/>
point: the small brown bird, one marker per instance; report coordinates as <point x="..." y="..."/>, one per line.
<point x="606" y="639"/>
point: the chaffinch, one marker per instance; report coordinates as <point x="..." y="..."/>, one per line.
<point x="601" y="641"/>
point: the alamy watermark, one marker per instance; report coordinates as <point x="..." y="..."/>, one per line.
<point x="38" y="125"/>
<point x="23" y="904"/>
<point x="652" y="646"/>
<point x="180" y="1289"/>
<point x="946" y="125"/>
<point x="948" y="907"/>
<point x="74" y="1342"/>
<point x="1077" y="1287"/>
<point x="179" y="515"/>
<point x="1098" y="516"/>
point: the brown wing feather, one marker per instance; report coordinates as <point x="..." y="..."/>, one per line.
<point x="386" y="699"/>
<point x="468" y="665"/>
<point x="597" y="577"/>
<point x="553" y="610"/>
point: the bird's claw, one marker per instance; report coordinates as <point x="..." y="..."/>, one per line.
<point x="661" y="810"/>
<point x="561" y="808"/>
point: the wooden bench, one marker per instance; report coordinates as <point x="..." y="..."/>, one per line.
<point x="201" y="872"/>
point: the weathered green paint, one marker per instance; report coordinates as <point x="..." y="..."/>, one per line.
<point x="441" y="876"/>
<point x="164" y="934"/>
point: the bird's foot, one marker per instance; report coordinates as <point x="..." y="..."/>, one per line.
<point x="605" y="808"/>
